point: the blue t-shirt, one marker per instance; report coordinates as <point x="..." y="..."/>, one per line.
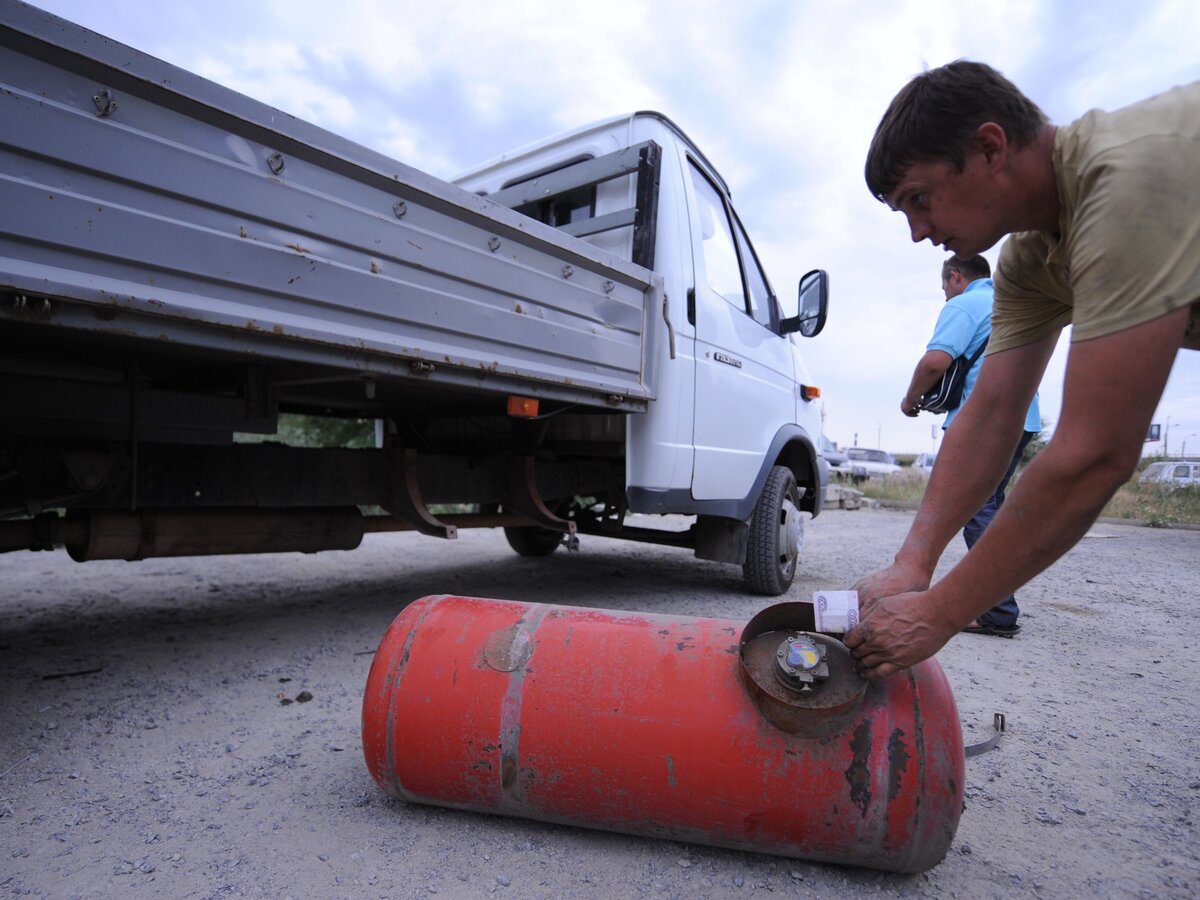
<point x="963" y="325"/>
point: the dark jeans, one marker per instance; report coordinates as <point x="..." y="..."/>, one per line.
<point x="1006" y="611"/>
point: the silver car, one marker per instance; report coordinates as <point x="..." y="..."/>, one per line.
<point x="867" y="463"/>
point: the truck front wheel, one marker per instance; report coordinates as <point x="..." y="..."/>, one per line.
<point x="776" y="535"/>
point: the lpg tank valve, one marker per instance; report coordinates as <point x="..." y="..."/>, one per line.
<point x="800" y="662"/>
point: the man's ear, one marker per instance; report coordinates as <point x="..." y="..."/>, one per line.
<point x="992" y="142"/>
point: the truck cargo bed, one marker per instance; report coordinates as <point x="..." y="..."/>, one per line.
<point x="147" y="210"/>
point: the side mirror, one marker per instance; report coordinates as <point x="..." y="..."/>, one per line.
<point x="814" y="299"/>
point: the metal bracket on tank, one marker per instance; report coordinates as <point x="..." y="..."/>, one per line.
<point x="522" y="497"/>
<point x="405" y="500"/>
<point x="804" y="682"/>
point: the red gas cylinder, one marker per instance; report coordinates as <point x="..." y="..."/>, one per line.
<point x="759" y="737"/>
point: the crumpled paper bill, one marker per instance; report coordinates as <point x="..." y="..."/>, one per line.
<point x="836" y="611"/>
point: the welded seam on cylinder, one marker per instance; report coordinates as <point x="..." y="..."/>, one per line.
<point x="916" y="845"/>
<point x="512" y="794"/>
<point x="396" y="672"/>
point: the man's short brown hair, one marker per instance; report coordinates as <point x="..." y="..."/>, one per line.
<point x="972" y="269"/>
<point x="935" y="116"/>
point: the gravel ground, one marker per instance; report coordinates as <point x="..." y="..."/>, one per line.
<point x="190" y="728"/>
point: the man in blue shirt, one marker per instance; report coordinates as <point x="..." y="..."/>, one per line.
<point x="962" y="328"/>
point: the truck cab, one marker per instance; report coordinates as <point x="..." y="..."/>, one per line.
<point x="735" y="414"/>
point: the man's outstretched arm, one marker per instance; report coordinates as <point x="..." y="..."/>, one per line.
<point x="1112" y="388"/>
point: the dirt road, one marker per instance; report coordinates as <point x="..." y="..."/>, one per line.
<point x="190" y="728"/>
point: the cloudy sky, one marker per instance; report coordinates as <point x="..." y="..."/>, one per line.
<point x="782" y="95"/>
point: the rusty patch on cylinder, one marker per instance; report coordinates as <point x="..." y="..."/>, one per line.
<point x="858" y="775"/>
<point x="508" y="773"/>
<point x="508" y="649"/>
<point x="898" y="757"/>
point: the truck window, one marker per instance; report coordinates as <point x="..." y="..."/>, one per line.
<point x="727" y="254"/>
<point x="573" y="206"/>
<point x="760" y="294"/>
<point x="720" y="254"/>
<point x="570" y="206"/>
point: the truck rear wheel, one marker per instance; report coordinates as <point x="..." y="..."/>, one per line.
<point x="533" y="541"/>
<point x="776" y="535"/>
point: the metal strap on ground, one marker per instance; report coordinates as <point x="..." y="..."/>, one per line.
<point x="993" y="741"/>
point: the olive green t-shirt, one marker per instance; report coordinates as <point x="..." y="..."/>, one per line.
<point x="1128" y="246"/>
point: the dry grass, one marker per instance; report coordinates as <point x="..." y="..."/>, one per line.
<point x="1156" y="505"/>
<point x="907" y="487"/>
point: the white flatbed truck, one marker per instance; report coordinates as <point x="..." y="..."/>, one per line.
<point x="572" y="334"/>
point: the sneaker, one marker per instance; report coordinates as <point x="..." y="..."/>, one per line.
<point x="978" y="627"/>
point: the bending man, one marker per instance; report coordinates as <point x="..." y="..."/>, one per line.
<point x="1104" y="215"/>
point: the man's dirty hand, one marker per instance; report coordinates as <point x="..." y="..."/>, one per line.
<point x="896" y="633"/>
<point x="899" y="578"/>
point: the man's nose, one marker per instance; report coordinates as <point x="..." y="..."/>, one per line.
<point x="920" y="228"/>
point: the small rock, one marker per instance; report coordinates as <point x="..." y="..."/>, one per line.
<point x="503" y="880"/>
<point x="303" y="697"/>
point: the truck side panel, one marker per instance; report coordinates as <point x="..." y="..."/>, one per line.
<point x="148" y="203"/>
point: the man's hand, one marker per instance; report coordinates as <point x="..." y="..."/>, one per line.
<point x="898" y="578"/>
<point x="909" y="408"/>
<point x="898" y="632"/>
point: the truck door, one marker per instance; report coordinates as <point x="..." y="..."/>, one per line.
<point x="745" y="376"/>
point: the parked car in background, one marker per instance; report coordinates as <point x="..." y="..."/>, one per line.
<point x="924" y="463"/>
<point x="836" y="458"/>
<point x="1173" y="472"/>
<point x="866" y="463"/>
